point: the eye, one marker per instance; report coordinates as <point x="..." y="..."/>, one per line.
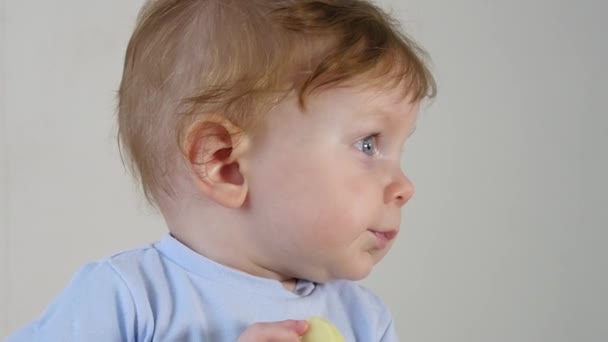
<point x="367" y="145"/>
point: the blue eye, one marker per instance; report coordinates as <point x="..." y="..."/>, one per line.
<point x="367" y="145"/>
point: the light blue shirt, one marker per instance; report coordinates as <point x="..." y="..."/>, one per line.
<point x="167" y="292"/>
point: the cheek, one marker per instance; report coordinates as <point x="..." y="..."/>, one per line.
<point x="336" y="207"/>
<point x="324" y="199"/>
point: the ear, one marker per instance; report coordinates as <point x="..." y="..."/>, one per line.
<point x="216" y="152"/>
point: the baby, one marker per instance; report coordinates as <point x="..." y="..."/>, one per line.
<point x="268" y="133"/>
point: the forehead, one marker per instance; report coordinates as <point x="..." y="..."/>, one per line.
<point x="359" y="103"/>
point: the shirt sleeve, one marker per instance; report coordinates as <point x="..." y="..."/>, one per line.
<point x="390" y="335"/>
<point x="96" y="306"/>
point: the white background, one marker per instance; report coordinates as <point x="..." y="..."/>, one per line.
<point x="505" y="239"/>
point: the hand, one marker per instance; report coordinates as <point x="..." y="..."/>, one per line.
<point x="284" y="331"/>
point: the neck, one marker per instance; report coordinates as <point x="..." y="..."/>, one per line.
<point x="219" y="234"/>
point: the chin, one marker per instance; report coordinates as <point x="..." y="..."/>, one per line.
<point x="358" y="273"/>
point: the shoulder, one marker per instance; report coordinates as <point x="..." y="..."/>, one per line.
<point x="114" y="282"/>
<point x="136" y="261"/>
<point x="115" y="271"/>
<point x="106" y="282"/>
<point x="142" y="271"/>
<point x="96" y="305"/>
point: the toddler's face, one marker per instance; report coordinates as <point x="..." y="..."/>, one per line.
<point x="326" y="185"/>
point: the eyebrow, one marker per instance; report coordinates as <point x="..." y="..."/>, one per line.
<point x="385" y="115"/>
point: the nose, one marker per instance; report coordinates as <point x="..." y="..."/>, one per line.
<point x="399" y="191"/>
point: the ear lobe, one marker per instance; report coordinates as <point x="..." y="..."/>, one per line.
<point x="215" y="152"/>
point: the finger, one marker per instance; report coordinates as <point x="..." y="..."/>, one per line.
<point x="298" y="326"/>
<point x="290" y="330"/>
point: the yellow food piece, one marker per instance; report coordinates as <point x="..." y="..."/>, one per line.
<point x="320" y="330"/>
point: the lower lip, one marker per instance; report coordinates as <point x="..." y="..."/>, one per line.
<point x="383" y="239"/>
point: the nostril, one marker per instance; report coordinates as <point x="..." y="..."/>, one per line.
<point x="403" y="197"/>
<point x="401" y="200"/>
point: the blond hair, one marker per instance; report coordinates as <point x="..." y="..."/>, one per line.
<point x="236" y="58"/>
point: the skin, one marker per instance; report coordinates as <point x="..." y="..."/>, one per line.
<point x="314" y="194"/>
<point x="284" y="331"/>
<point x="330" y="195"/>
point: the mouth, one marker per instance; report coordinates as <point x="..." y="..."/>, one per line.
<point x="383" y="237"/>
